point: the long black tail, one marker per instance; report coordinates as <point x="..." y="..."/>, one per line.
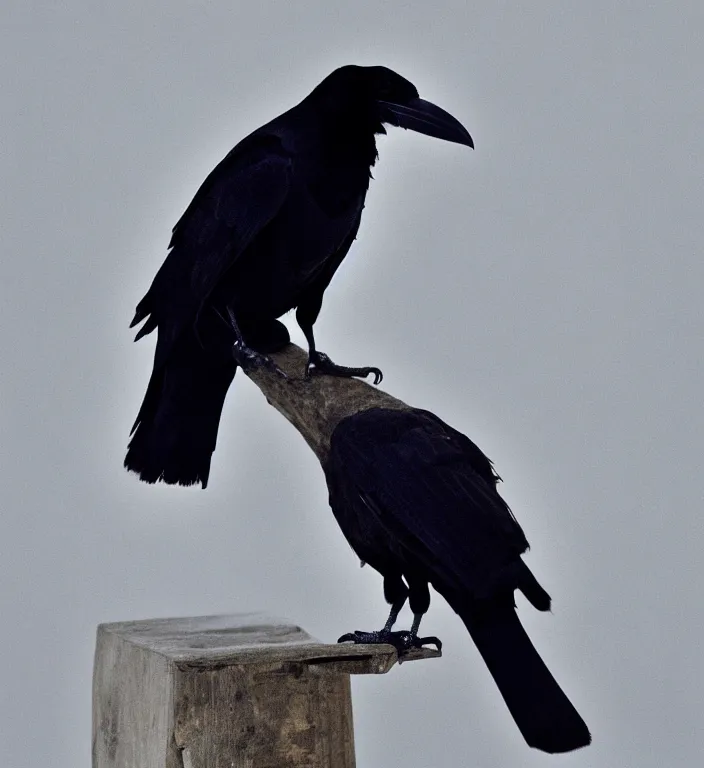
<point x="174" y="436"/>
<point x="543" y="714"/>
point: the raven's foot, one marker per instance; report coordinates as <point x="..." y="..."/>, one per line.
<point x="321" y="364"/>
<point x="248" y="359"/>
<point x="403" y="641"/>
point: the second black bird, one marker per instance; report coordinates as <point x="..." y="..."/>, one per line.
<point x="264" y="234"/>
<point x="417" y="501"/>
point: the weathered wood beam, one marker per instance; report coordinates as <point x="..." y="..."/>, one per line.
<point x="241" y="691"/>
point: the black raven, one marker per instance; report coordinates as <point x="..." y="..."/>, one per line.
<point x="417" y="500"/>
<point x="264" y="234"/>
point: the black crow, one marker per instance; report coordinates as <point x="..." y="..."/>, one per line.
<point x="417" y="501"/>
<point x="265" y="233"/>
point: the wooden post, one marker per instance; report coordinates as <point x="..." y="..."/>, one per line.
<point x="242" y="691"/>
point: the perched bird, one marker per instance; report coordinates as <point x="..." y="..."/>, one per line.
<point x="417" y="501"/>
<point x="264" y="234"/>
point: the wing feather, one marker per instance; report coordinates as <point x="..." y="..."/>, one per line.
<point x="239" y="198"/>
<point x="432" y="492"/>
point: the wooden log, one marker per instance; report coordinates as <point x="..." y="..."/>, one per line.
<point x="316" y="405"/>
<point x="241" y="691"/>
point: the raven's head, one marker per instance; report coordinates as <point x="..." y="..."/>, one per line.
<point x="380" y="95"/>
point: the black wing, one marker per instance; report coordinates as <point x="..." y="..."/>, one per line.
<point x="311" y="300"/>
<point x="430" y="492"/>
<point x="238" y="199"/>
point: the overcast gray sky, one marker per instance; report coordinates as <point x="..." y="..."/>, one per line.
<point x="542" y="294"/>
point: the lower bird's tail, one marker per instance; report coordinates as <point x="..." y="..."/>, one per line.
<point x="543" y="713"/>
<point x="176" y="430"/>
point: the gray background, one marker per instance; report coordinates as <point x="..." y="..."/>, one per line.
<point x="542" y="294"/>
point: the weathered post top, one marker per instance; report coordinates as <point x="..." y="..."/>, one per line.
<point x="206" y="642"/>
<point x="235" y="691"/>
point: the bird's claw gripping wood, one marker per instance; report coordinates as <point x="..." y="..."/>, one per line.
<point x="402" y="640"/>
<point x="321" y="364"/>
<point x="248" y="359"/>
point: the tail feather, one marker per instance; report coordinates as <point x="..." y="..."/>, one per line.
<point x="147" y="328"/>
<point x="543" y="713"/>
<point x="143" y="309"/>
<point x="175" y="433"/>
<point x="532" y="590"/>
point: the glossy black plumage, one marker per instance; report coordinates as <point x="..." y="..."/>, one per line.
<point x="263" y="235"/>
<point x="417" y="500"/>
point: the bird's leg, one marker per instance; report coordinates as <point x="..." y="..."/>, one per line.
<point x="246" y="357"/>
<point x="419" y="601"/>
<point x="402" y="640"/>
<point x="396" y="592"/>
<point x="320" y="364"/>
<point x="419" y="642"/>
<point x="382" y="635"/>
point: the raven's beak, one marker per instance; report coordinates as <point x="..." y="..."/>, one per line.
<point x="424" y="117"/>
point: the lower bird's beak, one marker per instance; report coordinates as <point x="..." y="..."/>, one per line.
<point x="424" y="117"/>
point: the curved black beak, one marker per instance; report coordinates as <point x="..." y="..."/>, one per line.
<point x="425" y="117"/>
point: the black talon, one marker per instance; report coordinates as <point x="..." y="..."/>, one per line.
<point x="248" y="359"/>
<point x="348" y="638"/>
<point x="432" y="640"/>
<point x="402" y="640"/>
<point x="321" y="364"/>
<point x="380" y="637"/>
